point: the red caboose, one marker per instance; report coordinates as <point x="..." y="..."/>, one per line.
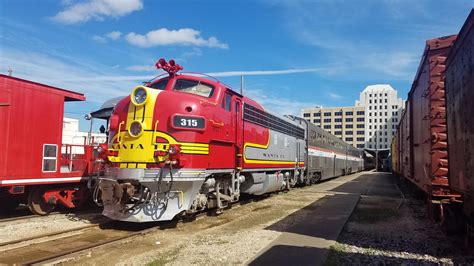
<point x="35" y="167"/>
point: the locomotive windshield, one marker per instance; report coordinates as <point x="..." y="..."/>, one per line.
<point x="160" y="85"/>
<point x="194" y="87"/>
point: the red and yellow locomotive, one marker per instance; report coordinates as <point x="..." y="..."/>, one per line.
<point x="185" y="142"/>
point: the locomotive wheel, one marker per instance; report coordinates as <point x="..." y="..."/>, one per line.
<point x="37" y="205"/>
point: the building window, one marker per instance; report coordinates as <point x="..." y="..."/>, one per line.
<point x="338" y="113"/>
<point x="380" y="120"/>
<point x="316" y="120"/>
<point x="317" y="114"/>
<point x="396" y="112"/>
<point x="375" y="101"/>
<point x="386" y="107"/>
<point x="338" y="120"/>
<point x="360" y="139"/>
<point x="385" y="120"/>
<point x="327" y="120"/>
<point x="349" y="119"/>
<point x="360" y="145"/>
<point x="360" y="112"/>
<point x="327" y="114"/>
<point x="385" y="134"/>
<point x="385" y="94"/>
<point x="349" y="133"/>
<point x="380" y="139"/>
<point x="338" y="133"/>
<point x="385" y="125"/>
<point x="50" y="157"/>
<point x="380" y="107"/>
<point x="385" y="100"/>
<point x="349" y="126"/>
<point x="375" y="126"/>
<point x="375" y="107"/>
<point x="327" y="126"/>
<point x="370" y="114"/>
<point x="349" y="113"/>
<point x="360" y="126"/>
<point x="385" y="113"/>
<point x="306" y="115"/>
<point x="360" y="132"/>
<point x="370" y="101"/>
<point x="380" y="112"/>
<point x="370" y="107"/>
<point x="370" y="127"/>
<point x="349" y="139"/>
<point x="370" y="120"/>
<point x="370" y="146"/>
<point x="370" y="95"/>
<point x="337" y="126"/>
<point x="380" y="146"/>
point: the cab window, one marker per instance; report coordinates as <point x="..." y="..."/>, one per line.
<point x="160" y="85"/>
<point x="226" y="102"/>
<point x="194" y="87"/>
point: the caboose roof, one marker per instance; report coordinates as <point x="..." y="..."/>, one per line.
<point x="69" y="96"/>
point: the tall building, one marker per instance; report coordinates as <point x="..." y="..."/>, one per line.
<point x="369" y="124"/>
<point x="347" y="123"/>
<point x="383" y="110"/>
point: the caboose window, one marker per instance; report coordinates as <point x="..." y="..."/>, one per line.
<point x="50" y="157"/>
<point x="194" y="87"/>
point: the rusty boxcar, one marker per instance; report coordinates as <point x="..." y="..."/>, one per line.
<point x="460" y="112"/>
<point x="428" y="140"/>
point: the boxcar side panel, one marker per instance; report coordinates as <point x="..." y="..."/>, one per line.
<point x="460" y="114"/>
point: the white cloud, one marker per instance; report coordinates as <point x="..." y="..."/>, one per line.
<point x="334" y="95"/>
<point x="265" y="72"/>
<point x="114" y="35"/>
<point x="97" y="10"/>
<point x="142" y="68"/>
<point x="163" y="36"/>
<point x="74" y="74"/>
<point x="276" y="104"/>
<point x="99" y="39"/>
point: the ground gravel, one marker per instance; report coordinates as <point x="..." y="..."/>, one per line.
<point x="392" y="231"/>
<point x="19" y="229"/>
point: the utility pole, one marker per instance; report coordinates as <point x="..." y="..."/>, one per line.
<point x="242" y="85"/>
<point x="10" y="71"/>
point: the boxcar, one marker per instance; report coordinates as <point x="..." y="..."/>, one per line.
<point x="426" y="100"/>
<point x="460" y="112"/>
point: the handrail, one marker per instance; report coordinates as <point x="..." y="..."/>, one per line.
<point x="119" y="138"/>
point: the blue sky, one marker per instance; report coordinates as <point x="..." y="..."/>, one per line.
<point x="294" y="54"/>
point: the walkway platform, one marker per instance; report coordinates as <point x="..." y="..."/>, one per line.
<point x="315" y="228"/>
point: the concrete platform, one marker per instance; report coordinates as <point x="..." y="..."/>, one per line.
<point x="315" y="228"/>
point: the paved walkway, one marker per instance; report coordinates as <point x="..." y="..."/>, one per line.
<point x="308" y="239"/>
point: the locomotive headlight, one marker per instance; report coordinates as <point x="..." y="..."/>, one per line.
<point x="135" y="129"/>
<point x="139" y="96"/>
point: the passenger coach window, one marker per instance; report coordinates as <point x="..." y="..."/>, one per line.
<point x="194" y="87"/>
<point x="160" y="85"/>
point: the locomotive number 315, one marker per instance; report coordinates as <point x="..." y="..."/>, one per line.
<point x="188" y="122"/>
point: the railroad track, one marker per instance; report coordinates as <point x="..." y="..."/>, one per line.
<point x="61" y="245"/>
<point x="47" y="248"/>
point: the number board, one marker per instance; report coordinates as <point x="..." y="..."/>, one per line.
<point x="188" y="122"/>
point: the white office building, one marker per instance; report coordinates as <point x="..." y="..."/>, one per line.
<point x="383" y="110"/>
